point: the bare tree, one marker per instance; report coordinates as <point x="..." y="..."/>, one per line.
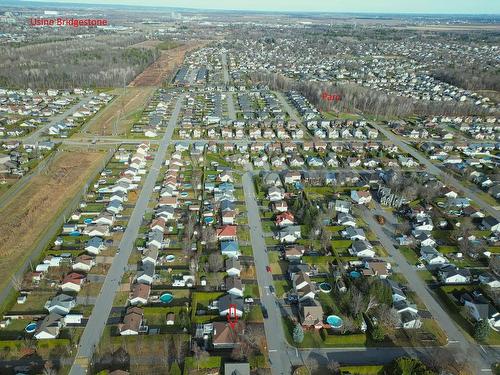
<point x="200" y="354"/>
<point x="215" y="262"/>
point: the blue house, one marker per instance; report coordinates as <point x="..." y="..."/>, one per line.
<point x="230" y="248"/>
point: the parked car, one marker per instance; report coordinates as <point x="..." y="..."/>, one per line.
<point x="271" y="289"/>
<point x="268" y="268"/>
<point x="264" y="312"/>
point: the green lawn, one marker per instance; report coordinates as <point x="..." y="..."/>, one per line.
<point x="362" y="370"/>
<point x="410" y="255"/>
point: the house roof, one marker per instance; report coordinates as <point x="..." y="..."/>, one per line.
<point x="226" y="300"/>
<point x="236" y="369"/>
<point x="227" y="231"/>
<point x="132" y="320"/>
<point x="233" y="282"/>
<point x="141" y="291"/>
<point x="223" y="334"/>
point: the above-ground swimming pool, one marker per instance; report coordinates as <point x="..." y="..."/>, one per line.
<point x="208" y="220"/>
<point x="30" y="328"/>
<point x="75" y="233"/>
<point x="166" y="298"/>
<point x="88" y="221"/>
<point x="170" y="258"/>
<point x="335" y="321"/>
<point x="325" y="287"/>
<point x="354" y="274"/>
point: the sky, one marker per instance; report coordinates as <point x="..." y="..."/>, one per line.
<point x="369" y="6"/>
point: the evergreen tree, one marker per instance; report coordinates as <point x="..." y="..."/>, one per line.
<point x="298" y="334"/>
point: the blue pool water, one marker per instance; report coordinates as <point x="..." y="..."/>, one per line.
<point x="170" y="258"/>
<point x="30" y="328"/>
<point x="166" y="298"/>
<point x="355" y="274"/>
<point x="75" y="234"/>
<point x="87" y="221"/>
<point x="335" y="321"/>
<point x="209" y="220"/>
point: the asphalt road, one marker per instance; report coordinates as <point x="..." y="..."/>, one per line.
<point x="477" y="358"/>
<point x="104" y="303"/>
<point x="225" y="70"/>
<point x="276" y="342"/>
<point x="431" y="168"/>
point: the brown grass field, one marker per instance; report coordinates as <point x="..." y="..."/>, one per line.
<point x="122" y="112"/>
<point x="24" y="220"/>
<point x="157" y="72"/>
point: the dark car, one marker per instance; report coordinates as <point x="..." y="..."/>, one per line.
<point x="264" y="312"/>
<point x="271" y="289"/>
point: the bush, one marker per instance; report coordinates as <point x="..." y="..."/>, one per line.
<point x="175" y="369"/>
<point x="408" y="366"/>
<point x="377" y="334"/>
<point x="298" y="334"/>
<point x="481" y="330"/>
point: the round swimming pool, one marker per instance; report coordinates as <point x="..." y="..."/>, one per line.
<point x="184" y="194"/>
<point x="75" y="233"/>
<point x="325" y="287"/>
<point x="335" y="321"/>
<point x="170" y="258"/>
<point x="209" y="220"/>
<point x="30" y="328"/>
<point x="166" y="298"/>
<point x="87" y="221"/>
<point x="354" y="274"/>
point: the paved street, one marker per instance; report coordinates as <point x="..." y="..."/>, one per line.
<point x="104" y="303"/>
<point x="476" y="357"/>
<point x="34" y="136"/>
<point x="431" y="168"/>
<point x="276" y="341"/>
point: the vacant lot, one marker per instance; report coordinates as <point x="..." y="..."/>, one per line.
<point x="32" y="210"/>
<point x="119" y="116"/>
<point x="169" y="60"/>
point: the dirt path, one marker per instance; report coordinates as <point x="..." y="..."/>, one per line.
<point x="155" y="74"/>
<point x="119" y="116"/>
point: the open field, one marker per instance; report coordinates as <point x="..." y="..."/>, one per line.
<point x="33" y="209"/>
<point x="121" y="113"/>
<point x="168" y="61"/>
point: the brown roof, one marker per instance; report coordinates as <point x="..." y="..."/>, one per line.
<point x="141" y="291"/>
<point x="223" y="334"/>
<point x="132" y="319"/>
<point x="233" y="282"/>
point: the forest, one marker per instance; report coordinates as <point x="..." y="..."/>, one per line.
<point x="357" y="99"/>
<point x="94" y="61"/>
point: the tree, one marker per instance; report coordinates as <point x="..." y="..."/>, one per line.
<point x="200" y="354"/>
<point x="298" y="334"/>
<point x="175" y="369"/>
<point x="333" y="367"/>
<point x="408" y="366"/>
<point x="495" y="265"/>
<point x="481" y="330"/>
<point x="215" y="262"/>
<point x="378" y="333"/>
<point x="388" y="317"/>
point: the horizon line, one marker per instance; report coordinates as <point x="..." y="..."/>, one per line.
<point x="69" y="3"/>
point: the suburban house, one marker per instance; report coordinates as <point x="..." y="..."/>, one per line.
<point x="234" y="286"/>
<point x="140" y="294"/>
<point x="449" y="274"/>
<point x="72" y="282"/>
<point x="275" y="194"/>
<point x="83" y="263"/>
<point x="50" y="327"/>
<point x="61" y="304"/>
<point x="223" y="336"/>
<point x="230" y="249"/>
<point x="284" y="219"/>
<point x="303" y="286"/>
<point x="95" y="245"/>
<point x="233" y="267"/>
<point x="479" y="308"/>
<point x="227" y="232"/>
<point x="289" y="234"/>
<point x="236" y="368"/>
<point x="132" y="321"/>
<point x="362" y="249"/>
<point x="361" y="197"/>
<point x="311" y="314"/>
<point x="294" y="252"/>
<point x="146" y="275"/>
<point x="228" y="300"/>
